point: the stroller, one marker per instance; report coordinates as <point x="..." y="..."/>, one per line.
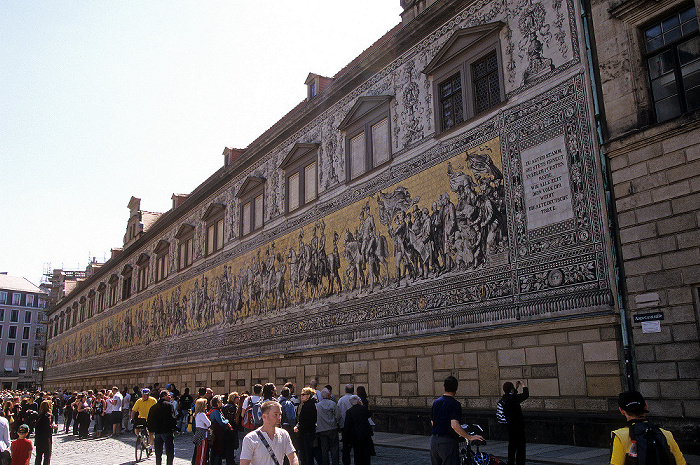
<point x="467" y="456"/>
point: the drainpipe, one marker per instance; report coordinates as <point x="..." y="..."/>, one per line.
<point x="627" y="348"/>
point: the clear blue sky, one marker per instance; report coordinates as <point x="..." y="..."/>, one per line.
<point x="100" y="101"/>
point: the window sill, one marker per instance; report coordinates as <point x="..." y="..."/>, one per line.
<point x="481" y="116"/>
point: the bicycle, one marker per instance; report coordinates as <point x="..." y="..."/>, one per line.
<point x="467" y="456"/>
<point x="142" y="442"/>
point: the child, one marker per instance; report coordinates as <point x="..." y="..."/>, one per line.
<point x="21" y="448"/>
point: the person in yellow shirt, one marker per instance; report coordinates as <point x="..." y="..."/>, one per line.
<point x="633" y="406"/>
<point x="139" y="413"/>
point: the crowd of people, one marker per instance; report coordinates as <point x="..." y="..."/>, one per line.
<point x="298" y="430"/>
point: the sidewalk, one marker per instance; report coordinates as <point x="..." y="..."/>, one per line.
<point x="536" y="453"/>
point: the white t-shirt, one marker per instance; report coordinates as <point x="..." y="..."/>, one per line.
<point x="118" y="399"/>
<point x="254" y="450"/>
<point x="202" y="420"/>
<point x="248" y="400"/>
<point x="110" y="406"/>
<point x="126" y="403"/>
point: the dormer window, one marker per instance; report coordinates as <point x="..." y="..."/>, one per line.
<point x="214" y="224"/>
<point x="301" y="175"/>
<point x="467" y="75"/>
<point x="315" y="85"/>
<point x="367" y="129"/>
<point x="251" y="201"/>
<point x="126" y="281"/>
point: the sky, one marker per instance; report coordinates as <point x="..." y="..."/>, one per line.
<point x="101" y="101"/>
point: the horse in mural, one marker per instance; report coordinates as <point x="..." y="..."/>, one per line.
<point x="354" y="257"/>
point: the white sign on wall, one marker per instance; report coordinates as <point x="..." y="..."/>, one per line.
<point x="547" y="183"/>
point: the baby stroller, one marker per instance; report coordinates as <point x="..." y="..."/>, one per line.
<point x="467" y="456"/>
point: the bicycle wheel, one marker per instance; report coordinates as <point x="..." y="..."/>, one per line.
<point x="139" y="448"/>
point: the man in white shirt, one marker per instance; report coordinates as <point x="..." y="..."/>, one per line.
<point x="116" y="401"/>
<point x="260" y="445"/>
<point x="126" y="407"/>
<point x="4" y="441"/>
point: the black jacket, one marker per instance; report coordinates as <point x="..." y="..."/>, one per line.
<point x="161" y="418"/>
<point x="307" y="416"/>
<point x="512" y="410"/>
<point x="357" y="426"/>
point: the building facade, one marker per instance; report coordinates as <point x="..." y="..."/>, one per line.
<point x="22" y="333"/>
<point x="437" y="207"/>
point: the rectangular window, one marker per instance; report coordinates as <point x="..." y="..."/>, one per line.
<point x="14" y="316"/>
<point x="380" y="142"/>
<point x="10" y="348"/>
<point x="126" y="287"/>
<point x="451" y="107"/>
<point x="27" y="317"/>
<point x="258" y="212"/>
<point x="673" y="60"/>
<point x="215" y="235"/>
<point x="186" y="252"/>
<point x="487" y="90"/>
<point x="23" y="349"/>
<point x="13" y="332"/>
<point x="310" y="182"/>
<point x="3" y="297"/>
<point x="142" y="278"/>
<point x="293" y="191"/>
<point x="29" y="300"/>
<point x="2" y="314"/>
<point x="25" y="332"/>
<point x="247" y="208"/>
<point x="113" y="295"/>
<point x="15" y="298"/>
<point x="100" y="301"/>
<point x="161" y="267"/>
<point x="357" y="155"/>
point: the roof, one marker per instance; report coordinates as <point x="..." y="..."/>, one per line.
<point x="14" y="283"/>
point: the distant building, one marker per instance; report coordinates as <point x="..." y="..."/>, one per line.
<point x="22" y="332"/>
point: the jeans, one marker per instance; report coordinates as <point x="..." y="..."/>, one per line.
<point x="160" y="440"/>
<point x="183" y="421"/>
<point x="443" y="450"/>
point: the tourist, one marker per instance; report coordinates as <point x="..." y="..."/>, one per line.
<point x="306" y="426"/>
<point x="43" y="433"/>
<point x="343" y="406"/>
<point x="327" y="425"/>
<point x="98" y="413"/>
<point x="201" y="432"/>
<point x="515" y="422"/>
<point x="219" y="427"/>
<point x="229" y="412"/>
<point x="21" y="448"/>
<point x="83" y="418"/>
<point x="161" y="423"/>
<point x="268" y="441"/>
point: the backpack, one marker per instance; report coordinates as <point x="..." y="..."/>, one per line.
<point x="252" y="417"/>
<point x="500" y="412"/>
<point x="287" y="408"/>
<point x="652" y="447"/>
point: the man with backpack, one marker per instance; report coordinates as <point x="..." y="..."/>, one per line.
<point x="641" y="441"/>
<point x="252" y="410"/>
<point x="515" y="422"/>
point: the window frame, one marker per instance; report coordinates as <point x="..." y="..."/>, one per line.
<point x="681" y="95"/>
<point x="16" y="298"/>
<point x="214" y="228"/>
<point x="113" y="298"/>
<point x="29" y="300"/>
<point x="3" y="297"/>
<point x="12" y="332"/>
<point x="162" y="253"/>
<point x="252" y="189"/>
<point x="297" y="162"/>
<point x="102" y="297"/>
<point x="142" y="268"/>
<point x="466" y="47"/>
<point x="185" y="246"/>
<point x="14" y="316"/>
<point x="8" y="352"/>
<point x="367" y="113"/>
<point x="26" y="334"/>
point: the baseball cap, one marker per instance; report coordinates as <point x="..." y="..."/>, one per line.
<point x="632" y="402"/>
<point x="23" y="429"/>
<point x="145" y="391"/>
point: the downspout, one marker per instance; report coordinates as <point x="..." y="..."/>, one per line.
<point x="628" y="353"/>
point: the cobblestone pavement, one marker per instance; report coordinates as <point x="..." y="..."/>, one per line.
<point x="68" y="450"/>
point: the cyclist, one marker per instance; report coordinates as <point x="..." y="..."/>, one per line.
<point x="139" y="413"/>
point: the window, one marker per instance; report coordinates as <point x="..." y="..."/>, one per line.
<point x="0" y="331"/>
<point x="25" y="332"/>
<point x="466" y="74"/>
<point x="83" y="305"/>
<point x="36" y="350"/>
<point x="23" y="349"/>
<point x="214" y="223"/>
<point x="3" y="297"/>
<point x="301" y="175"/>
<point x="13" y="332"/>
<point x="143" y="264"/>
<point x="37" y="333"/>
<point x="367" y="135"/>
<point x="2" y="314"/>
<point x="126" y="281"/>
<point x="10" y="348"/>
<point x="15" y="298"/>
<point x="251" y="202"/>
<point x="113" y="288"/>
<point x="14" y="316"/>
<point x="74" y="315"/>
<point x="101" y="301"/>
<point x="28" y="317"/>
<point x="162" y="252"/>
<point x="673" y="59"/>
<point x="185" y="254"/>
<point x="29" y="300"/>
<point x="91" y="303"/>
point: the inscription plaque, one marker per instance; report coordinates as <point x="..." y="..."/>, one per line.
<point x="547" y="183"/>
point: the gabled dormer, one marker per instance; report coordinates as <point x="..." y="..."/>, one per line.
<point x="315" y="84"/>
